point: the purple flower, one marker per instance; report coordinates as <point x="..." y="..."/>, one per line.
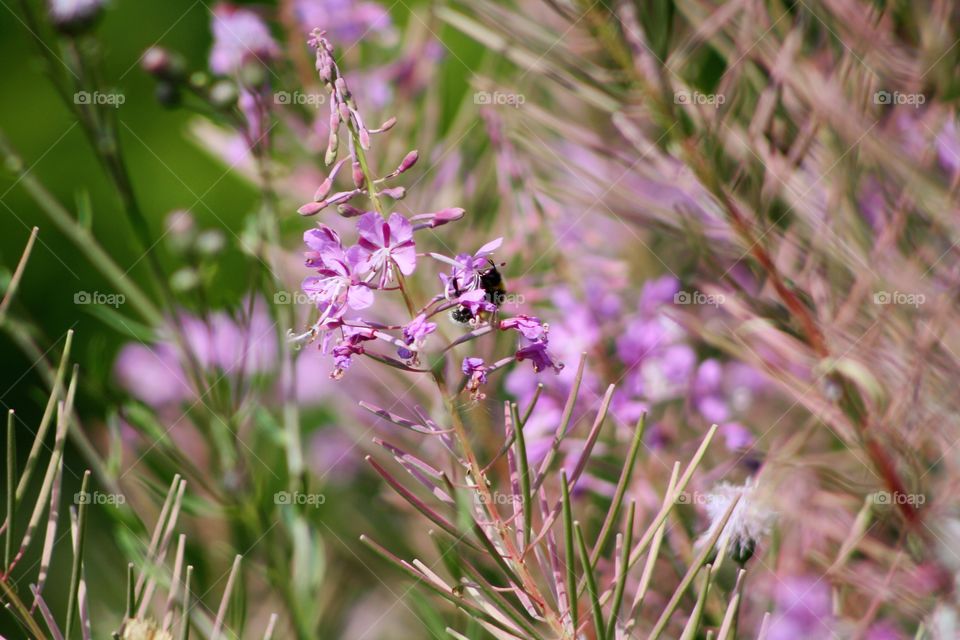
<point x="417" y="330"/>
<point x="529" y="327"/>
<point x="708" y="393"/>
<point x="736" y="436"/>
<point x="321" y="241"/>
<point x="477" y="372"/>
<point x="476" y="301"/>
<point x="948" y="146"/>
<point x="665" y="374"/>
<point x="338" y="285"/>
<point x="644" y="336"/>
<point x="248" y="346"/>
<point x="658" y="292"/>
<point x="803" y="609"/>
<point x="384" y="243"/>
<point x="352" y="345"/>
<point x="152" y="375"/>
<point x="536" y="353"/>
<point x="330" y="451"/>
<point x="239" y="36"/>
<point x="346" y="20"/>
<point x="465" y="275"/>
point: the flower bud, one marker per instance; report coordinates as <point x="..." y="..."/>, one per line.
<point x="163" y="64"/>
<point x="332" y="143"/>
<point x="312" y="208"/>
<point x="223" y="93"/>
<point x="167" y="93"/>
<point x="349" y="211"/>
<point x="394" y="193"/>
<point x="184" y="279"/>
<point x="358" y="178"/>
<point x="180" y="229"/>
<point x="408" y="161"/>
<point x="323" y="190"/>
<point x="73" y="17"/>
<point x="386" y="126"/>
<point x="210" y="242"/>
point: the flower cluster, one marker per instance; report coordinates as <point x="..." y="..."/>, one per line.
<point x="348" y="279"/>
<point x="159" y="374"/>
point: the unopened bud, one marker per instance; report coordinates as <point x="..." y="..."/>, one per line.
<point x="73" y="17"/>
<point x="358" y="177"/>
<point x="210" y="242"/>
<point x="167" y="93"/>
<point x="349" y="211"/>
<point x="408" y="161"/>
<point x="332" y="143"/>
<point x="386" y="126"/>
<point x="312" y="208"/>
<point x="323" y="190"/>
<point x="223" y="93"/>
<point x="394" y="193"/>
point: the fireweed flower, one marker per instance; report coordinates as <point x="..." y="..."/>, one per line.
<point x="385" y="253"/>
<point x="465" y="275"/>
<point x="804" y="609"/>
<point x="385" y="244"/>
<point x="476" y="372"/>
<point x="339" y="284"/>
<point x="239" y="37"/>
<point x="529" y="327"/>
<point x="536" y="353"/>
<point x="417" y="330"/>
<point x="351" y="345"/>
<point x="157" y="374"/>
<point x="347" y="21"/>
<point x="749" y="523"/>
<point x="152" y="375"/>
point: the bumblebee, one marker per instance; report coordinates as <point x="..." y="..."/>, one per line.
<point x="491" y="281"/>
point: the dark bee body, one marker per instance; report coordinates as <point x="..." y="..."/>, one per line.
<point x="491" y="281"/>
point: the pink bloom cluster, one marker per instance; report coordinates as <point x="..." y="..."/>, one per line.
<point x="348" y="279"/>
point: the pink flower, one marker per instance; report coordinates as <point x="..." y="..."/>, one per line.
<point x="339" y="284"/>
<point x="321" y="241"/>
<point x="477" y="372"/>
<point x="417" y="330"/>
<point x="152" y="375"/>
<point x="529" y="327"/>
<point x="385" y="243"/>
<point x="536" y="353"/>
<point x="239" y="36"/>
<point x="352" y="345"/>
<point x="345" y="20"/>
